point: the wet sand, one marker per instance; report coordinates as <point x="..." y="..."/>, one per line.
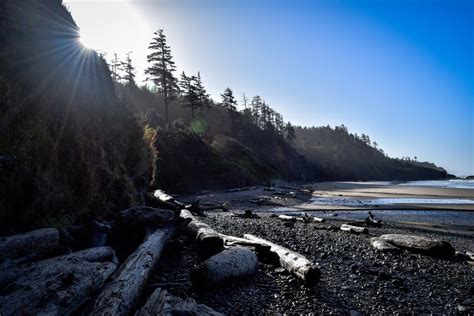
<point x="374" y="190"/>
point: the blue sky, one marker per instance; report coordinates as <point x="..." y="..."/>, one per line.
<point x="400" y="71"/>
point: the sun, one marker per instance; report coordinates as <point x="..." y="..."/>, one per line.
<point x="84" y="42"/>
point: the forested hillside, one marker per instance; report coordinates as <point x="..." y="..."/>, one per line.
<point x="81" y="137"/>
<point x="341" y="155"/>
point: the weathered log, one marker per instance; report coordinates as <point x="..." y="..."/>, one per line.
<point x="121" y="293"/>
<point x="57" y="286"/>
<point x="209" y="242"/>
<point x="287" y="218"/>
<point x="432" y="247"/>
<point x="166" y="201"/>
<point x="354" y="229"/>
<point x="291" y="261"/>
<point x="371" y="221"/>
<point x="232" y="241"/>
<point x="31" y="244"/>
<point x="263" y="251"/>
<point x="231" y="264"/>
<point x="96" y="254"/>
<point x="246" y="214"/>
<point x="162" y="303"/>
<point x="318" y="220"/>
<point x="382" y="245"/>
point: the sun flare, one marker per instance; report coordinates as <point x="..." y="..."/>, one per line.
<point x="84" y="42"/>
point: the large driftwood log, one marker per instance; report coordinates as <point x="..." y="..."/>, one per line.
<point x="432" y="247"/>
<point x="232" y="241"/>
<point x="121" y="293"/>
<point x="29" y="245"/>
<point x="291" y="261"/>
<point x="263" y="251"/>
<point x="230" y="264"/>
<point x="161" y="303"/>
<point x="209" y="242"/>
<point x="161" y="199"/>
<point x="287" y="218"/>
<point x="354" y="229"/>
<point x="382" y="245"/>
<point x="57" y="286"/>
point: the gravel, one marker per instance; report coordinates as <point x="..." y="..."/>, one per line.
<point x="355" y="277"/>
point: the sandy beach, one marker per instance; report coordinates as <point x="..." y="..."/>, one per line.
<point x="375" y="190"/>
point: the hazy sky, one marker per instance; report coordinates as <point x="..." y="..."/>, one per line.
<point x="400" y="71"/>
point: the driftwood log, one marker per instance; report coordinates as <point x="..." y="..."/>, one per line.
<point x="209" y="242"/>
<point x="246" y="214"/>
<point x="161" y="199"/>
<point x="28" y="246"/>
<point x="121" y="293"/>
<point x="371" y="221"/>
<point x="382" y="245"/>
<point x="291" y="261"/>
<point x="287" y="218"/>
<point x="161" y="303"/>
<point x="263" y="251"/>
<point x="232" y="241"/>
<point x="231" y="264"/>
<point x="428" y="246"/>
<point x="305" y="218"/>
<point x="354" y="229"/>
<point x="57" y="286"/>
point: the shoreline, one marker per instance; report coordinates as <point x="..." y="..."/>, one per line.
<point x="355" y="277"/>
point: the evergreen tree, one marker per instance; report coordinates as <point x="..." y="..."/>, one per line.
<point x="161" y="68"/>
<point x="290" y="132"/>
<point x="245" y="101"/>
<point x="115" y="67"/>
<point x="256" y="106"/>
<point x="129" y="70"/>
<point x="202" y="95"/>
<point x="279" y="125"/>
<point x="190" y="92"/>
<point x="228" y="100"/>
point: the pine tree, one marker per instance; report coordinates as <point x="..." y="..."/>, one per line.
<point x="202" y="95"/>
<point x="189" y="92"/>
<point x="290" y="132"/>
<point x="228" y="100"/>
<point x="256" y="105"/>
<point x="129" y="70"/>
<point x="279" y="125"/>
<point x="245" y="101"/>
<point x="162" y="67"/>
<point x="115" y="67"/>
